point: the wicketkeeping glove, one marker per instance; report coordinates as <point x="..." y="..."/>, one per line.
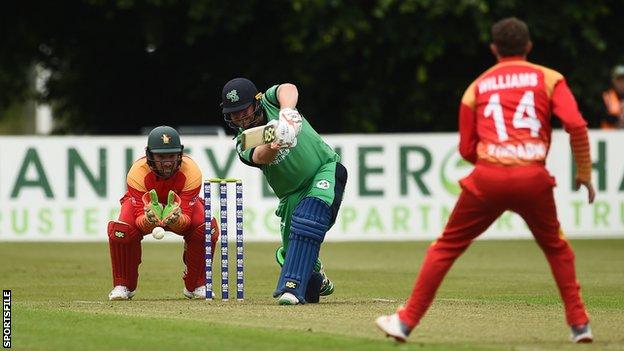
<point x="152" y="208"/>
<point x="172" y="211"/>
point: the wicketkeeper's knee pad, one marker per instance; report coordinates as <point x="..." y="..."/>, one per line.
<point x="122" y="232"/>
<point x="199" y="233"/>
<point x="309" y="223"/>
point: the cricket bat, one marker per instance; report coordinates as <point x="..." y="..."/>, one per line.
<point x="257" y="136"/>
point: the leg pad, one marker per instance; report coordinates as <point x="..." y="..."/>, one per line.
<point x="310" y="222"/>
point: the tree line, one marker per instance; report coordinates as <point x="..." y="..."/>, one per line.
<point x="361" y="66"/>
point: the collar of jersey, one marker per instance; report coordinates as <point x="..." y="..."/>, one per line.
<point x="511" y="58"/>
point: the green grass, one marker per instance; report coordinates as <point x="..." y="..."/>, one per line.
<point x="498" y="296"/>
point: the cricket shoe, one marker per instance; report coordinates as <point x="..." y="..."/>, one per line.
<point x="120" y="293"/>
<point x="393" y="327"/>
<point x="198" y="293"/>
<point x="327" y="287"/>
<point x="287" y="299"/>
<point x="581" y="334"/>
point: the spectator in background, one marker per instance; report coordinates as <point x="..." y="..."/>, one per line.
<point x="614" y="101"/>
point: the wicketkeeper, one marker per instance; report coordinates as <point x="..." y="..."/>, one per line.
<point x="505" y="130"/>
<point x="163" y="191"/>
<point x="305" y="174"/>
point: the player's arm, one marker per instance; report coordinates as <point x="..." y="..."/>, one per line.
<point x="287" y="95"/>
<point x="290" y="120"/>
<point x="178" y="210"/>
<point x="136" y="189"/>
<point x="565" y="107"/>
<point x="287" y="126"/>
<point x="265" y="154"/>
<point x="257" y="156"/>
<point x="468" y="138"/>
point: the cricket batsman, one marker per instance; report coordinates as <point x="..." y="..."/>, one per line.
<point x="505" y="130"/>
<point x="163" y="191"/>
<point x="305" y="174"/>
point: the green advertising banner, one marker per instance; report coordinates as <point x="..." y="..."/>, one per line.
<point x="401" y="186"/>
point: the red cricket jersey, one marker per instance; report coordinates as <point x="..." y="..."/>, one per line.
<point x="504" y="116"/>
<point x="186" y="182"/>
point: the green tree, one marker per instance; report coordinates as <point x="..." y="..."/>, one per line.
<point x="361" y="66"/>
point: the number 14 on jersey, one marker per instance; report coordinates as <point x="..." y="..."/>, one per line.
<point x="524" y="116"/>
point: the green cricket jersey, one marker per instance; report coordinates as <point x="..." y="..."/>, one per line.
<point x="293" y="169"/>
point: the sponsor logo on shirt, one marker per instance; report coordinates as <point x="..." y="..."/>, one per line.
<point x="323" y="184"/>
<point x="524" y="151"/>
<point x="281" y="155"/>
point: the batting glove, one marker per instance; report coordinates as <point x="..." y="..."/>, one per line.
<point x="285" y="134"/>
<point x="292" y="117"/>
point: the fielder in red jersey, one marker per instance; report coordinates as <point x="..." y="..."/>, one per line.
<point x="505" y="130"/>
<point x="163" y="191"/>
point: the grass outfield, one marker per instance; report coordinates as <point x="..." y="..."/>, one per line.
<point x="498" y="296"/>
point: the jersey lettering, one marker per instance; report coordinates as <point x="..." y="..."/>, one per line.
<point x="525" y="106"/>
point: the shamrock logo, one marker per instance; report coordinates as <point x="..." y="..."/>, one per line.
<point x="232" y="96"/>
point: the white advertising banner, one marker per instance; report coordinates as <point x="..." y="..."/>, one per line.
<point x="400" y="187"/>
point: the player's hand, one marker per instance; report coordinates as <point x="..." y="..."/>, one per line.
<point x="172" y="211"/>
<point x="285" y="134"/>
<point x="173" y="217"/>
<point x="591" y="193"/>
<point x="292" y="117"/>
<point x="275" y="146"/>
<point x="151" y="207"/>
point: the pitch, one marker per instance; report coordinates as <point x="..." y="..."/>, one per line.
<point x="498" y="296"/>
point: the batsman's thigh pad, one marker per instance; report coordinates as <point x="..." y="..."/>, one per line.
<point x="122" y="232"/>
<point x="328" y="185"/>
<point x="310" y="222"/>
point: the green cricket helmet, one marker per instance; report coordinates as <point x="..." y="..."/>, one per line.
<point x="237" y="95"/>
<point x="163" y="140"/>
